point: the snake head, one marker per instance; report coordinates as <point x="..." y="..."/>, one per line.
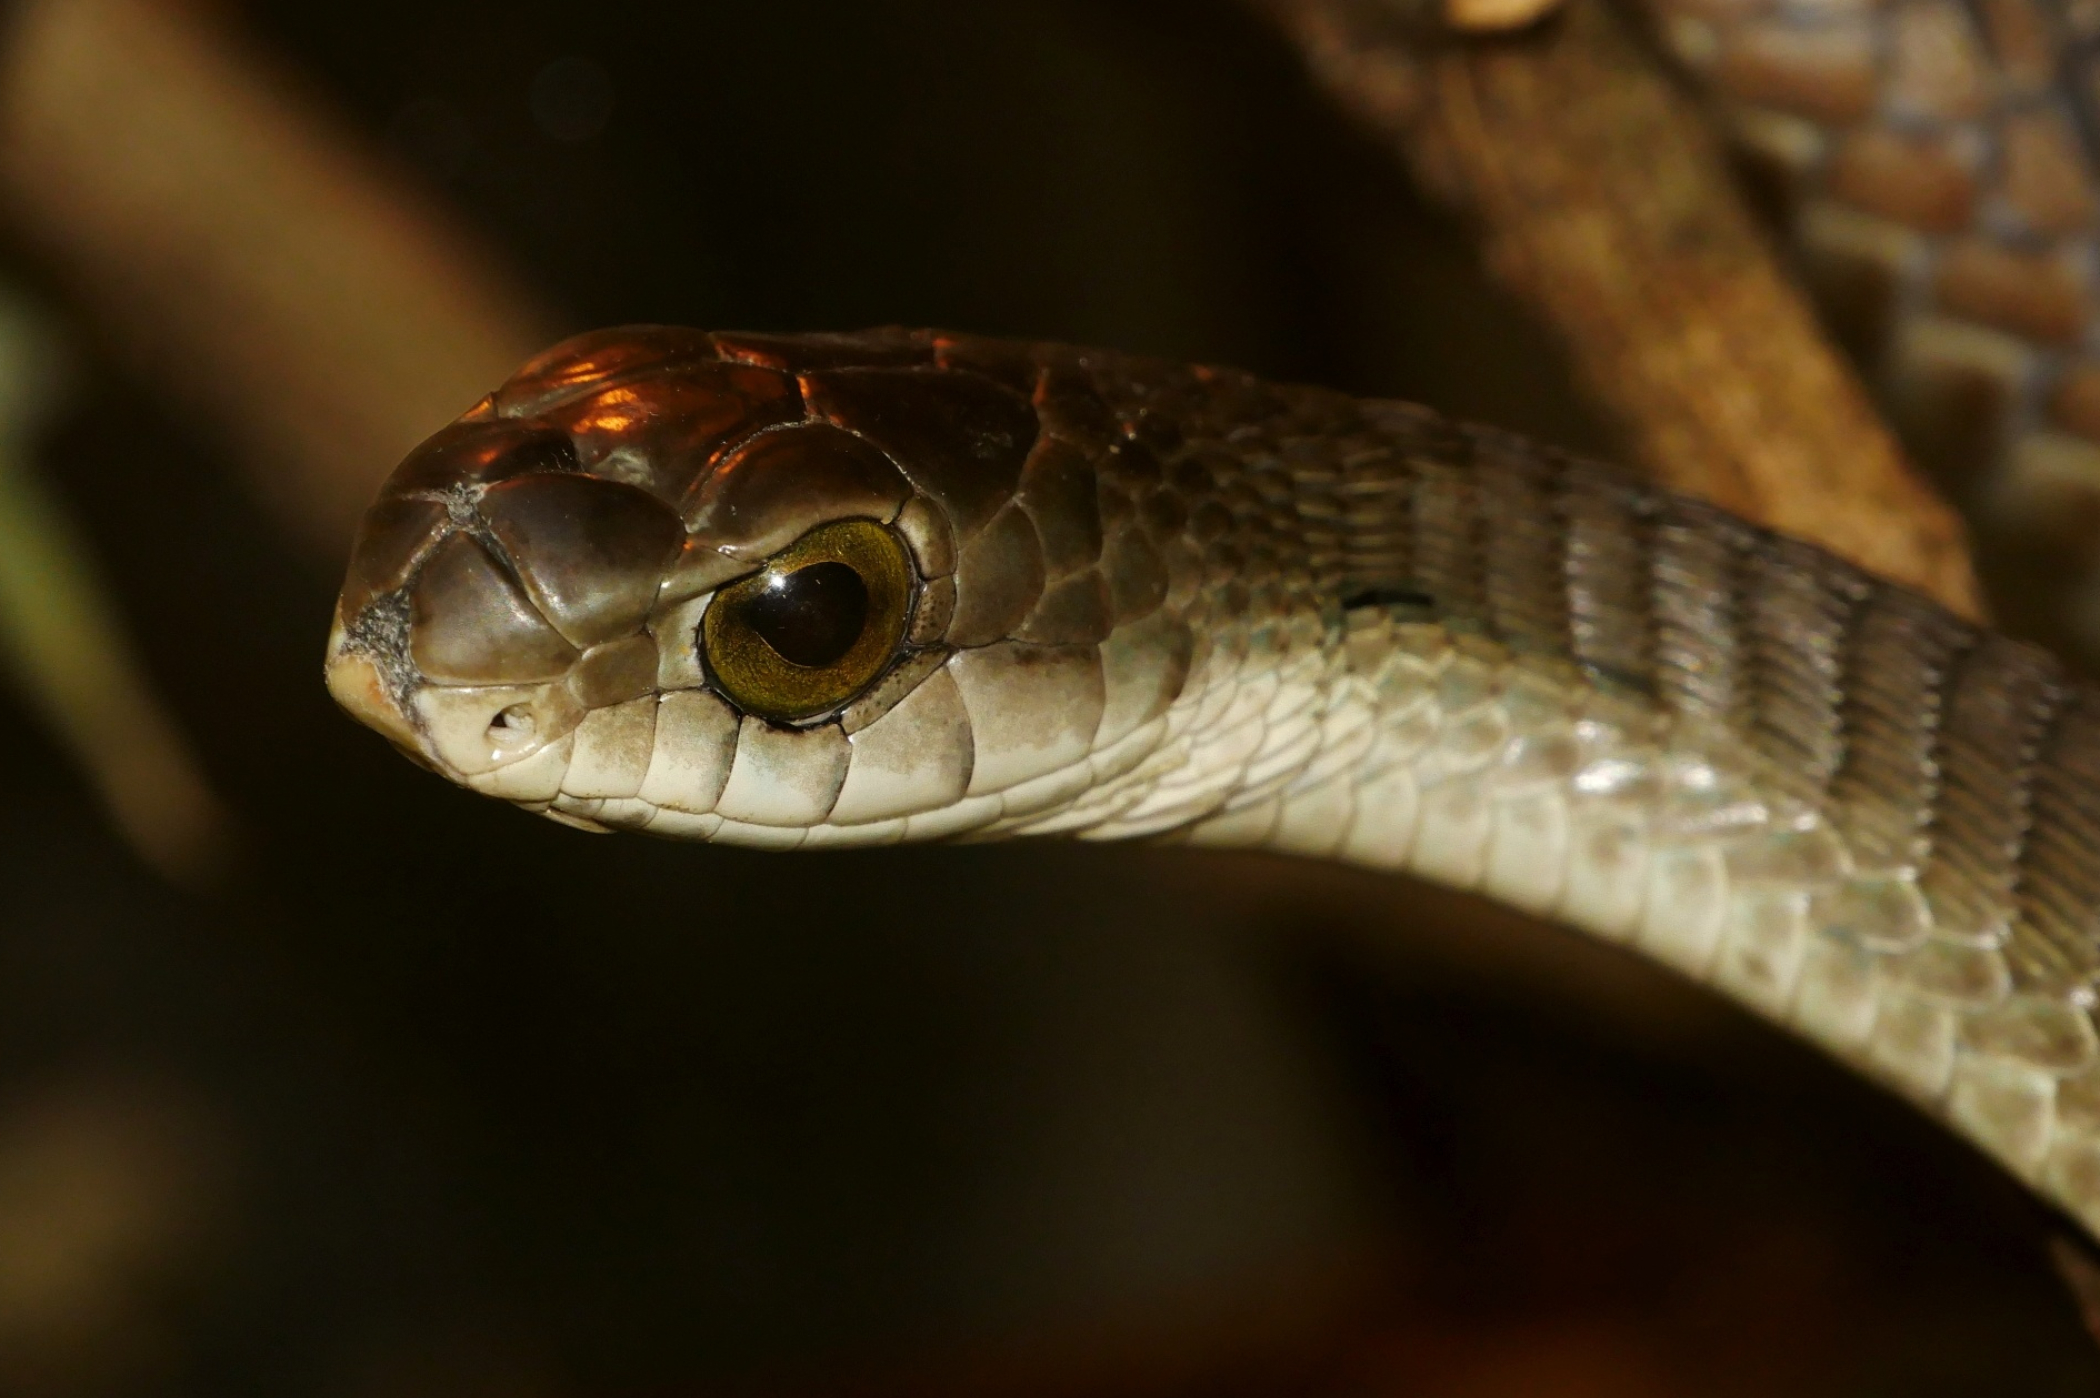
<point x="754" y="588"/>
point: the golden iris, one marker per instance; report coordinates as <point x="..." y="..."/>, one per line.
<point x="815" y="626"/>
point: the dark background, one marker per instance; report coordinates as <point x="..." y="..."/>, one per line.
<point x="437" y="1098"/>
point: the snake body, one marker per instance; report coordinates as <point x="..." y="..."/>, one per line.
<point x="1143" y="600"/>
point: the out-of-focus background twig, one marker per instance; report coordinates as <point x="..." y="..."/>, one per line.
<point x="238" y="245"/>
<point x="430" y="1098"/>
<point x="66" y="645"/>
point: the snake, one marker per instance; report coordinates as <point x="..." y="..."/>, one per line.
<point x="802" y="592"/>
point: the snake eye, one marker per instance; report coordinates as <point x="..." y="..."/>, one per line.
<point x="815" y="626"/>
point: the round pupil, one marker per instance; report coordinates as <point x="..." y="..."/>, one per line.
<point x="810" y="617"/>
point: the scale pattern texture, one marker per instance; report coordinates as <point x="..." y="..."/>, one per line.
<point x="1181" y="603"/>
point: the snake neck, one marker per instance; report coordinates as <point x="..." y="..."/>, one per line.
<point x="1508" y="671"/>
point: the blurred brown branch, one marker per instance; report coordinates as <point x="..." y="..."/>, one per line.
<point x="1602" y="200"/>
<point x="253" y="260"/>
<point x="247" y="253"/>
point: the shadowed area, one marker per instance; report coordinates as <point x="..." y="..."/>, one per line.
<point x="435" y="1098"/>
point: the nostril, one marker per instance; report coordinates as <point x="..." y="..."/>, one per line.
<point x="513" y="725"/>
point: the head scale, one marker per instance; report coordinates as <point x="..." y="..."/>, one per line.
<point x="773" y="590"/>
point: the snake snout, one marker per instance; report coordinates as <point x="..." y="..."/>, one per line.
<point x="495" y="596"/>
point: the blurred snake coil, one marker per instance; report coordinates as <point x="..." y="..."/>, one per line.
<point x="801" y="592"/>
<point x="1936" y="167"/>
